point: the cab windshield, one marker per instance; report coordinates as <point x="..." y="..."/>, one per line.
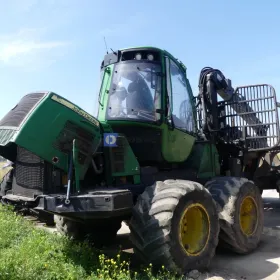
<point x="135" y="92"/>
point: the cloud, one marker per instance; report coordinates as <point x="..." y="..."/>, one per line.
<point x="15" y="49"/>
<point x="27" y="46"/>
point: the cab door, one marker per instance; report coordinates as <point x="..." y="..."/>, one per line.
<point x="179" y="134"/>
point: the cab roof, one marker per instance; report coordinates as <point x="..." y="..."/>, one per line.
<point x="160" y="50"/>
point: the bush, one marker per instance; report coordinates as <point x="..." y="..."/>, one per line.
<point x="31" y="253"/>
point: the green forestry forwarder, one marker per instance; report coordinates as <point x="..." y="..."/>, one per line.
<point x="185" y="172"/>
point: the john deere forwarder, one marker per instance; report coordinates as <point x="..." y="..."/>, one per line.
<point x="185" y="172"/>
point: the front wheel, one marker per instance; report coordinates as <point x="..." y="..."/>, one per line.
<point x="175" y="223"/>
<point x="101" y="232"/>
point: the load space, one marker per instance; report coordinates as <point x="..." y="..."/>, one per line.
<point x="184" y="172"/>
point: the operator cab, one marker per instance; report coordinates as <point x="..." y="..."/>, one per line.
<point x="135" y="90"/>
<point x="146" y="96"/>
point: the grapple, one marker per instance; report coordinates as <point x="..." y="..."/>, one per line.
<point x="250" y="118"/>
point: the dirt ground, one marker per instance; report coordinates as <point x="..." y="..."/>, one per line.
<point x="262" y="264"/>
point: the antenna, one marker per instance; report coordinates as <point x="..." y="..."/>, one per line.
<point x="105" y="45"/>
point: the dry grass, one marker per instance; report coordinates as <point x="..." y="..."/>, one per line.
<point x="3" y="172"/>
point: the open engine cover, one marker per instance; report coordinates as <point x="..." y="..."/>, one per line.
<point x="46" y="124"/>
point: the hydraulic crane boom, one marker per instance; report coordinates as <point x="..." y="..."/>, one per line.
<point x="213" y="82"/>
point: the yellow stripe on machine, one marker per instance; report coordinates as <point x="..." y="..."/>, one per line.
<point x="74" y="108"/>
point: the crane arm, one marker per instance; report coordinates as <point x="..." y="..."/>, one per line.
<point x="212" y="82"/>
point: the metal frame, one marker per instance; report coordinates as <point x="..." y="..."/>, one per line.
<point x="249" y="119"/>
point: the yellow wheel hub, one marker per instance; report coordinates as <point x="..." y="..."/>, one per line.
<point x="248" y="215"/>
<point x="194" y="229"/>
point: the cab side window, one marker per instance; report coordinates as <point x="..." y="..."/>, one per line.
<point x="182" y="110"/>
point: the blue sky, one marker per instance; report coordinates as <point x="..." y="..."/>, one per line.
<point x="58" y="45"/>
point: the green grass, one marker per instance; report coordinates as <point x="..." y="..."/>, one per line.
<point x="31" y="253"/>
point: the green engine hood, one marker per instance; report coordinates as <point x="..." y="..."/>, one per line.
<point x="46" y="124"/>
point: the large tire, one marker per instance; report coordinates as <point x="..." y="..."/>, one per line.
<point x="156" y="225"/>
<point x="231" y="195"/>
<point x="104" y="232"/>
<point x="101" y="232"/>
<point x="72" y="229"/>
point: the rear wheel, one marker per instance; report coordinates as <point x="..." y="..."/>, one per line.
<point x="100" y="232"/>
<point x="175" y="224"/>
<point x="240" y="209"/>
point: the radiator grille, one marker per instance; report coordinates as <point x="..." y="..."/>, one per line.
<point x="118" y="154"/>
<point x="71" y="131"/>
<point x="6" y="135"/>
<point x="29" y="172"/>
<point x="19" y="112"/>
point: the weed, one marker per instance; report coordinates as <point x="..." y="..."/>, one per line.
<point x="29" y="253"/>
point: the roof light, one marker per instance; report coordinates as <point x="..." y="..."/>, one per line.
<point x="138" y="56"/>
<point x="150" y="57"/>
